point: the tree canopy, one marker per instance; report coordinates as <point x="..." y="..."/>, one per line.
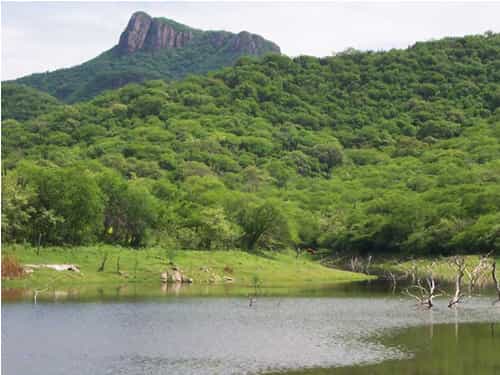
<point x="395" y="151"/>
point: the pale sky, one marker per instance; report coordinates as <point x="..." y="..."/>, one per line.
<point x="43" y="36"/>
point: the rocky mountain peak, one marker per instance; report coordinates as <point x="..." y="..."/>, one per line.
<point x="146" y="33"/>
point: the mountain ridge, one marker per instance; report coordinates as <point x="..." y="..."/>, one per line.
<point x="150" y="48"/>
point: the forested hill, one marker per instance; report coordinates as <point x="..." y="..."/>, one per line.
<point x="150" y="48"/>
<point x="21" y="102"/>
<point x="394" y="151"/>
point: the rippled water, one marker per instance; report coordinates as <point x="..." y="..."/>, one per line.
<point x="212" y="335"/>
<point x="439" y="349"/>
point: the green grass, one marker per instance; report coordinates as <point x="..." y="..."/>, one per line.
<point x="441" y="267"/>
<point x="144" y="266"/>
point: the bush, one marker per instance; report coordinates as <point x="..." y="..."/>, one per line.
<point x="11" y="268"/>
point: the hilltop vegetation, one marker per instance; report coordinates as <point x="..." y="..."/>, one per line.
<point x="20" y="102"/>
<point x="394" y="151"/>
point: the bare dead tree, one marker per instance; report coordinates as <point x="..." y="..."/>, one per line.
<point x="36" y="292"/>
<point x="355" y="264"/>
<point x="412" y="273"/>
<point x="496" y="283"/>
<point x="459" y="264"/>
<point x="368" y="264"/>
<point x="477" y="275"/>
<point x="394" y="280"/>
<point x="426" y="294"/>
<point x="358" y="264"/>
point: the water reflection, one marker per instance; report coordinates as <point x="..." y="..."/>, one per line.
<point x="136" y="292"/>
<point x="148" y="292"/>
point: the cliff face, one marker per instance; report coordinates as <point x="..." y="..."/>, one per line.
<point x="162" y="35"/>
<point x="146" y="33"/>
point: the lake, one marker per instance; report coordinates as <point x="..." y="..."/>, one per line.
<point x="348" y="329"/>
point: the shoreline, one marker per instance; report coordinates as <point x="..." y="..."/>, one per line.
<point x="129" y="266"/>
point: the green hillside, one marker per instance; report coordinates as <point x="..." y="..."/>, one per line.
<point x="395" y="151"/>
<point x="21" y="102"/>
<point x="205" y="51"/>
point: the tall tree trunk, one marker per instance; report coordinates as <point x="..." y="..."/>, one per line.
<point x="495" y="280"/>
<point x="459" y="263"/>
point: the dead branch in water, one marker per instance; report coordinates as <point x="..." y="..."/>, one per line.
<point x="412" y="273"/>
<point x="426" y="293"/>
<point x="496" y="283"/>
<point x="478" y="274"/>
<point x="394" y="280"/>
<point x="459" y="264"/>
<point x="358" y="264"/>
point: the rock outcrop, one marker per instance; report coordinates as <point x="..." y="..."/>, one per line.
<point x="162" y="35"/>
<point x="175" y="276"/>
<point x="251" y="44"/>
<point x="146" y="33"/>
<point x="243" y="43"/>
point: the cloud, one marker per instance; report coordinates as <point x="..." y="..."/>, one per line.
<point x="37" y="37"/>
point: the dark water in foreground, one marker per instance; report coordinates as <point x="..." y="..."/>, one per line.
<point x="327" y="334"/>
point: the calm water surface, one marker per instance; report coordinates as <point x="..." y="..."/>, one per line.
<point x="327" y="332"/>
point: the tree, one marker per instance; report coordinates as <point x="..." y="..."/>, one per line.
<point x="68" y="208"/>
<point x="215" y="230"/>
<point x="330" y="155"/>
<point x="131" y="211"/>
<point x="17" y="207"/>
<point x="280" y="172"/>
<point x="262" y="222"/>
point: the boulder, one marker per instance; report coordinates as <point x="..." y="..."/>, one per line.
<point x="175" y="276"/>
<point x="164" y="277"/>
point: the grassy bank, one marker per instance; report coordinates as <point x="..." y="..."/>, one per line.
<point x="144" y="266"/>
<point x="442" y="267"/>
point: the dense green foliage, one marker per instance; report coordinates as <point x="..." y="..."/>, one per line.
<point x="112" y="70"/>
<point x="394" y="151"/>
<point x="21" y="102"/>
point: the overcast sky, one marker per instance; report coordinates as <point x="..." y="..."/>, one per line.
<point x="38" y="37"/>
